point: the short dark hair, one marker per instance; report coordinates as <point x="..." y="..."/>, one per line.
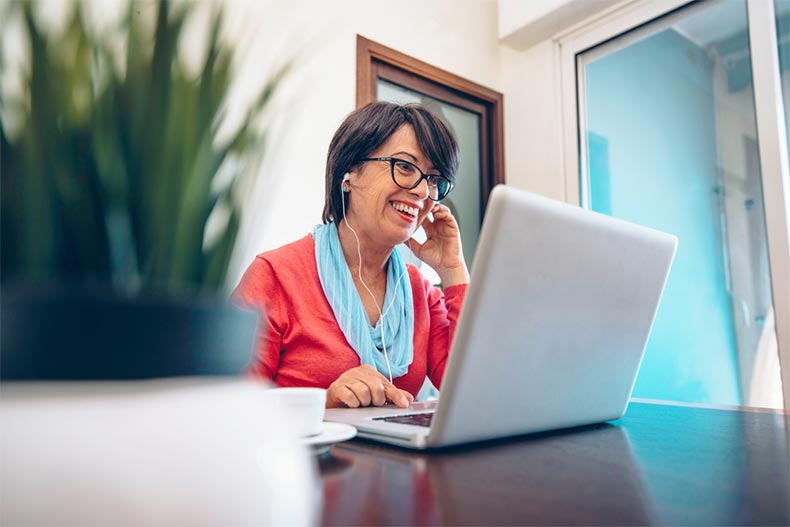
<point x="367" y="128"/>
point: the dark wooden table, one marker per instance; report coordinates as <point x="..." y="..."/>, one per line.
<point x="660" y="464"/>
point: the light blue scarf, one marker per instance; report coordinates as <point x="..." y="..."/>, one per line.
<point x="350" y="314"/>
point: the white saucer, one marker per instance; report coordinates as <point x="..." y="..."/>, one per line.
<point x="330" y="433"/>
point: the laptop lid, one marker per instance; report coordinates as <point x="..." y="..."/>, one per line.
<point x="555" y="322"/>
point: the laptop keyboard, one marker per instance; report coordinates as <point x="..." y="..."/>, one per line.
<point x="422" y="419"/>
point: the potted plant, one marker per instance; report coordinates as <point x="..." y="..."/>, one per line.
<point x="119" y="209"/>
<point x="118" y="216"/>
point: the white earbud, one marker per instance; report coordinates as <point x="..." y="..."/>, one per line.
<point x="346" y="177"/>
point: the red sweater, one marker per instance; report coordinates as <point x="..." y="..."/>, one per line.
<point x="299" y="341"/>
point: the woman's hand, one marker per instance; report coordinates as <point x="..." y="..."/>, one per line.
<point x="442" y="249"/>
<point x="364" y="386"/>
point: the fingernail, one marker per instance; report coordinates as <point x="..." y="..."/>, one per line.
<point x="403" y="401"/>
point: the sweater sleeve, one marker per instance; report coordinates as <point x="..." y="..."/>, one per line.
<point x="260" y="290"/>
<point x="444" y="308"/>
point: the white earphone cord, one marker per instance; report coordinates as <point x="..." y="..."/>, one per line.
<point x="359" y="274"/>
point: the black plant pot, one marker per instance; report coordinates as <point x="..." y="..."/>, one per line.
<point x="60" y="335"/>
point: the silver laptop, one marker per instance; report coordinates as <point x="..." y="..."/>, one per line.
<point x="552" y="331"/>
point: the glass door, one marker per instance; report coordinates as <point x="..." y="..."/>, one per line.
<point x="668" y="139"/>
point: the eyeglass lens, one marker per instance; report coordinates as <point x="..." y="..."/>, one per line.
<point x="408" y="175"/>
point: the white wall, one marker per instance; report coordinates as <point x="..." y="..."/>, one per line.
<point x="288" y="199"/>
<point x="532" y="120"/>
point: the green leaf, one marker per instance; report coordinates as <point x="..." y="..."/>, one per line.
<point x="110" y="179"/>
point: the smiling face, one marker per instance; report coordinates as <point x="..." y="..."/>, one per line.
<point x="381" y="211"/>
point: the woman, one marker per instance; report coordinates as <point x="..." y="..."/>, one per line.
<point x="340" y="310"/>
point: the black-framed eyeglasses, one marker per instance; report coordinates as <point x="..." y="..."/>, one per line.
<point x="407" y="175"/>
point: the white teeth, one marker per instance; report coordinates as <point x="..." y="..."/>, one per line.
<point x="405" y="208"/>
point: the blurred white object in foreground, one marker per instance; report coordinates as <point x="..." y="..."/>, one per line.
<point x="187" y="451"/>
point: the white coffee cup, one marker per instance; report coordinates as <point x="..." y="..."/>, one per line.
<point x="303" y="407"/>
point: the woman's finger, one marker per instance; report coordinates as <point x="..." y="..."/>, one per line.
<point x="375" y="389"/>
<point x="441" y="217"/>
<point x="362" y="392"/>
<point x="440" y="209"/>
<point x="445" y="217"/>
<point x="344" y="395"/>
<point x="430" y="228"/>
<point x="395" y="396"/>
